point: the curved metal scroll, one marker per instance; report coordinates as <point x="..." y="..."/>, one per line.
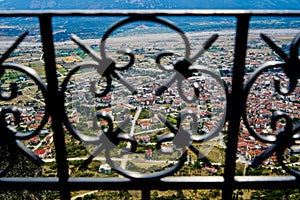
<point x="11" y="136"/>
<point x="183" y="71"/>
<point x="288" y="136"/>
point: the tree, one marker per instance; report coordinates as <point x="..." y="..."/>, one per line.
<point x="145" y="114"/>
<point x="24" y="168"/>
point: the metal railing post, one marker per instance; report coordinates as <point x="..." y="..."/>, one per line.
<point x="235" y="104"/>
<point x="55" y="104"/>
<point x="146" y="193"/>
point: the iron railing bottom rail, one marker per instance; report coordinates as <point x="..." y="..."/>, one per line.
<point x="168" y="183"/>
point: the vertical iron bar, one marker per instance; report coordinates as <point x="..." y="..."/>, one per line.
<point x="235" y="104"/>
<point x="54" y="103"/>
<point x="146" y="194"/>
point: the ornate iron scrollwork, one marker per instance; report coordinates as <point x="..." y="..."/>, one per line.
<point x="287" y="137"/>
<point x="184" y="72"/>
<point x="9" y="134"/>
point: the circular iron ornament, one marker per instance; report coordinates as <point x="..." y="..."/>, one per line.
<point x="95" y="140"/>
<point x="291" y="69"/>
<point x="38" y="81"/>
<point x="221" y="122"/>
<point x="144" y="18"/>
<point x="284" y="139"/>
<point x="107" y="68"/>
<point x="289" y="136"/>
<point x="10" y="142"/>
<point x="72" y="129"/>
<point x="289" y="66"/>
<point x="247" y="88"/>
<point x="11" y="136"/>
<point x="183" y="70"/>
<point x="110" y="138"/>
<point x="211" y="134"/>
<point x="287" y="139"/>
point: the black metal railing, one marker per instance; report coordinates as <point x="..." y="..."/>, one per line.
<point x="229" y="109"/>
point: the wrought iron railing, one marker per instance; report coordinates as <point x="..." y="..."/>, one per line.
<point x="232" y="106"/>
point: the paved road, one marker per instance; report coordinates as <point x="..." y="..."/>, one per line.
<point x="82" y="195"/>
<point x="125" y="157"/>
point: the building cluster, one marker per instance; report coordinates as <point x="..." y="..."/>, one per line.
<point x="262" y="102"/>
<point x="42" y="147"/>
<point x="209" y="107"/>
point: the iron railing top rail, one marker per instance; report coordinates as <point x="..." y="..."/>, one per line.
<point x="157" y="12"/>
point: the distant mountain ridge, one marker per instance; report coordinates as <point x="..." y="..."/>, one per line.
<point x="87" y="27"/>
<point x="148" y="4"/>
